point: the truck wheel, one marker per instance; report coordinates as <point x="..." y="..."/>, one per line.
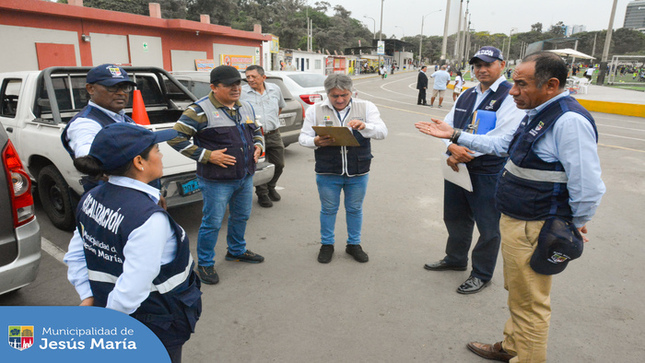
<point x="56" y="198"/>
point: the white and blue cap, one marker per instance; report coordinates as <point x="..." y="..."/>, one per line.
<point x="108" y="75"/>
<point x="488" y="54"/>
<point x="117" y="144"/>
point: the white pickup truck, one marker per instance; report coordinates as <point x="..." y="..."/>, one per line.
<point x="35" y="106"/>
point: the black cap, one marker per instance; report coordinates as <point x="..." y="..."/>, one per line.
<point x="226" y="75"/>
<point x="558" y="243"/>
<point x="488" y="54"/>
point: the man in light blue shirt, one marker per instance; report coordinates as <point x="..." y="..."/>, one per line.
<point x="553" y="172"/>
<point x="441" y="80"/>
<point x="464" y="209"/>
<point x="267" y="101"/>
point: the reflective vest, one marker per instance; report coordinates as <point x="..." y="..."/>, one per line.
<point x="105" y="218"/>
<point x="464" y="109"/>
<point x="351" y="160"/>
<point x="530" y="188"/>
<point x="232" y="133"/>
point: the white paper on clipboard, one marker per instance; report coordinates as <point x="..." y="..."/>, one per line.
<point x="460" y="178"/>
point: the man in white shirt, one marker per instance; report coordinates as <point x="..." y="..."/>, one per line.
<point x="267" y="101"/>
<point x="441" y="80"/>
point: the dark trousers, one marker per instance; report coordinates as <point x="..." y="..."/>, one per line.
<point x="174" y="353"/>
<point x="275" y="155"/>
<point x="422" y="97"/>
<point x="461" y="211"/>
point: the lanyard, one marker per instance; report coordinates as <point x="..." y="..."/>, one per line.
<point x="342" y="120"/>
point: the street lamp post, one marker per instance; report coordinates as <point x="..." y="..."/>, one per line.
<point x="421" y="37"/>
<point x="510" y="34"/>
<point x="369" y="17"/>
<point x="444" y="44"/>
<point x="605" y="52"/>
<point x="380" y="32"/>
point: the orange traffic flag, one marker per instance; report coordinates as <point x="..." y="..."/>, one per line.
<point x="139" y="114"/>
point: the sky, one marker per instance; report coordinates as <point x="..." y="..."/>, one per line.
<point x="403" y="17"/>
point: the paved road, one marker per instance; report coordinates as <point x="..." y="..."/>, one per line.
<point x="292" y="309"/>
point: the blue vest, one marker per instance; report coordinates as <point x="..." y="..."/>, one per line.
<point x="105" y="218"/>
<point x="332" y="159"/>
<point x="464" y="109"/>
<point x="536" y="198"/>
<point x="102" y="119"/>
<point x="234" y="133"/>
<point x="91" y="113"/>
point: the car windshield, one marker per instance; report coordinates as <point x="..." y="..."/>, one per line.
<point x="308" y="80"/>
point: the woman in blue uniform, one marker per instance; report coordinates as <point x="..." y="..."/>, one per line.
<point x="129" y="254"/>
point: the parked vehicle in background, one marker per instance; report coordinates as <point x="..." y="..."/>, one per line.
<point x="35" y="107"/>
<point x="291" y="117"/>
<point x="308" y="88"/>
<point x="19" y="229"/>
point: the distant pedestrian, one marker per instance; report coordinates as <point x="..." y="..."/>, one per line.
<point x="441" y="80"/>
<point x="459" y="84"/>
<point x="422" y="86"/>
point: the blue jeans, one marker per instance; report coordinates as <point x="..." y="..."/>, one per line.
<point x="461" y="210"/>
<point x="329" y="188"/>
<point x="217" y="194"/>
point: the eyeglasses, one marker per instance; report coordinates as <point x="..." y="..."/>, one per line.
<point x="125" y="87"/>
<point x="344" y="95"/>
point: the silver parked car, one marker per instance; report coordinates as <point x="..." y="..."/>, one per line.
<point x="19" y="230"/>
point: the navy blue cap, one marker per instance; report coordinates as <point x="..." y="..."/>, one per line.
<point x="558" y="243"/>
<point x="108" y="75"/>
<point x="488" y="54"/>
<point x="117" y="144"/>
<point x="226" y="75"/>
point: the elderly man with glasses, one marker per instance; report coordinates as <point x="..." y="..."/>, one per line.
<point x="342" y="168"/>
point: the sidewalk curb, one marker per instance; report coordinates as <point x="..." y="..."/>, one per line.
<point x="617" y="108"/>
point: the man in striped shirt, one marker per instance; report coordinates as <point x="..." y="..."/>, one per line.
<point x="227" y="145"/>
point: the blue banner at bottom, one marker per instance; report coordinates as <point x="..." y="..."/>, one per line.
<point x="74" y="334"/>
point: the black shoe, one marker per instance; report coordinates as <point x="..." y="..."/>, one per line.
<point x="326" y="251"/>
<point x="273" y="195"/>
<point x="247" y="256"/>
<point x="419" y="103"/>
<point x="356" y="251"/>
<point x="472" y="285"/>
<point x="264" y="201"/>
<point x="208" y="275"/>
<point x="441" y="265"/>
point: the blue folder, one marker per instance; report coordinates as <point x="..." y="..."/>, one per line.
<point x="483" y="121"/>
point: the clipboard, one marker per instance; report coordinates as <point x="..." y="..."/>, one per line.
<point x="343" y="136"/>
<point x="460" y="178"/>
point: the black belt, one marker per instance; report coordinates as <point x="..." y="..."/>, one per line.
<point x="271" y="132"/>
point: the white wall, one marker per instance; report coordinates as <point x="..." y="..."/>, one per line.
<point x="145" y="51"/>
<point x="18" y="46"/>
<point x="184" y="60"/>
<point x="109" y="48"/>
